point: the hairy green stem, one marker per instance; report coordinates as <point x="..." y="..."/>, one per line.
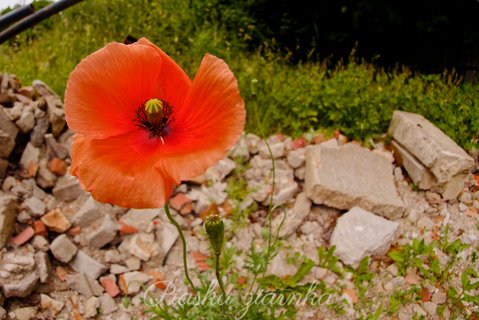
<point x="183" y="243"/>
<point x="220" y="281"/>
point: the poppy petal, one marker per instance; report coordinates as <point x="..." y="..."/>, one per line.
<point x="114" y="81"/>
<point x="208" y="123"/>
<point x="173" y="83"/>
<point x="120" y="170"/>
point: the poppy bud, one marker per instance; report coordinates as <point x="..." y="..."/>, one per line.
<point x="215" y="229"/>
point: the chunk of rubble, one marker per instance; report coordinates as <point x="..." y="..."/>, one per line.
<point x="432" y="160"/>
<point x="107" y="304"/>
<point x="67" y="188"/>
<point x="8" y="134"/>
<point x="56" y="221"/>
<point x="8" y="213"/>
<point x="220" y="170"/>
<point x="101" y="232"/>
<point x="350" y="176"/>
<point x="294" y="217"/>
<point x="85" y="264"/>
<point x="43" y="266"/>
<point x="132" y="282"/>
<point x="429" y="145"/>
<point x="18" y="277"/>
<point x="84" y="284"/>
<point x="87" y="214"/>
<point x="63" y="249"/>
<point x="360" y="233"/>
<point x="51" y="306"/>
<point x="140" y="218"/>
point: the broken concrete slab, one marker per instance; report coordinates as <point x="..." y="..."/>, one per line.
<point x="85" y="264"/>
<point x="429" y="145"/>
<point x="349" y="176"/>
<point x="419" y="174"/>
<point x="359" y="234"/>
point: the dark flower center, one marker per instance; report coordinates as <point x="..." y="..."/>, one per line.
<point x="154" y="116"/>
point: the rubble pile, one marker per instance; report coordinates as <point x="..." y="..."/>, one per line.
<point x="63" y="255"/>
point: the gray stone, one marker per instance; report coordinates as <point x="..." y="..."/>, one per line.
<point x="8" y="213"/>
<point x="85" y="264"/>
<point x="166" y="235"/>
<point x="133" y="263"/>
<point x="294" y="217"/>
<point x="419" y="174"/>
<point x="21" y="287"/>
<point x="38" y="132"/>
<point x="101" y="232"/>
<point x="87" y="214"/>
<point x="359" y="233"/>
<point x="40" y="243"/>
<point x="67" y="189"/>
<point x="8" y="134"/>
<point x="84" y="284"/>
<point x="220" y="170"/>
<point x="51" y="306"/>
<point x="56" y="115"/>
<point x="252" y="141"/>
<point x="453" y="187"/>
<point x="284" y="193"/>
<point x="15" y="112"/>
<point x="350" y="176"/>
<point x="55" y="148"/>
<point x="118" y="269"/>
<point x="296" y="157"/>
<point x="240" y="150"/>
<point x="24" y="217"/>
<point x="42" y="88"/>
<point x="91" y="307"/>
<point x="141" y="245"/>
<point x="26" y="122"/>
<point x="140" y="218"/>
<point x="45" y="178"/>
<point x="25" y="313"/>
<point x="278" y="149"/>
<point x="108" y="304"/>
<point x="35" y="207"/>
<point x="280" y="267"/>
<point x="63" y="249"/>
<point x="429" y="145"/>
<point x="134" y="281"/>
<point x="43" y="266"/>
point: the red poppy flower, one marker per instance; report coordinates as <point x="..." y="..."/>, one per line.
<point x="142" y="126"/>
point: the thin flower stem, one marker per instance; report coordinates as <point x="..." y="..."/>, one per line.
<point x="183" y="243"/>
<point x="220" y="282"/>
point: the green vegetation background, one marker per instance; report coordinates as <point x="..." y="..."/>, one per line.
<point x="355" y="97"/>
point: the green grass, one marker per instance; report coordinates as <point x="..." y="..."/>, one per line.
<point x="355" y="97"/>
